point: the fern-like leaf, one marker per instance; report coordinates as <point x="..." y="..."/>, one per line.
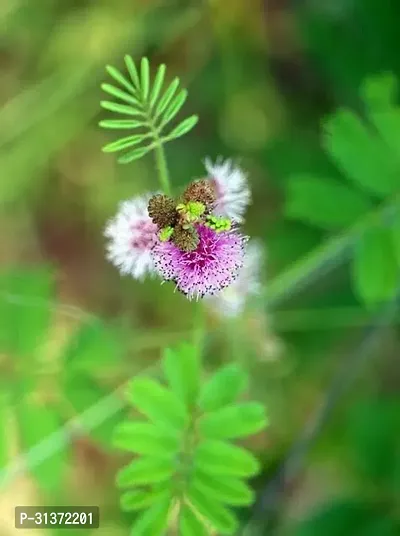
<point x="185" y="456"/>
<point x="152" y="108"/>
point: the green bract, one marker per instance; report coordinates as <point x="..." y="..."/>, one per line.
<point x="186" y="458"/>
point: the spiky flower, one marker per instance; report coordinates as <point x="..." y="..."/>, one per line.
<point x="232" y="300"/>
<point x="186" y="239"/>
<point x="211" y="267"/>
<point x="162" y="210"/>
<point x="231" y="188"/>
<point x="132" y="235"/>
<point x="202" y="191"/>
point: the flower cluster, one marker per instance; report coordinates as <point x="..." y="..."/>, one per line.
<point x="192" y="240"/>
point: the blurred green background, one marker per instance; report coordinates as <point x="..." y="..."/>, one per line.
<point x="261" y="76"/>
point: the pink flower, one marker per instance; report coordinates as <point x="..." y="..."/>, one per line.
<point x="132" y="235"/>
<point x="233" y="193"/>
<point x="211" y="267"/>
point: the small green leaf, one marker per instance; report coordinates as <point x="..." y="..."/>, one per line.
<point x="37" y="422"/>
<point x="175" y="105"/>
<point x="158" y="403"/>
<point x="120" y="108"/>
<point x="144" y="471"/>
<point x="219" y="517"/>
<point x="145" y="438"/>
<point x="223" y="388"/>
<point x="145" y="77"/>
<point x="135" y="154"/>
<point x="362" y="157"/>
<point x="379" y="92"/>
<point x="130" y="65"/>
<point x="154" y="521"/>
<point x="221" y="458"/>
<point x="183" y="128"/>
<point x="234" y="421"/>
<point x="375" y="270"/>
<point x="120" y="78"/>
<point x="189" y="523"/>
<point x="115" y="92"/>
<point x="157" y="84"/>
<point x="166" y="98"/>
<point x="120" y="123"/>
<point x="226" y="489"/>
<point x="182" y="370"/>
<point x="324" y="202"/>
<point x="124" y="143"/>
<point x="138" y="499"/>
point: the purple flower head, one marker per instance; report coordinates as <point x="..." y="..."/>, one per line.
<point x="208" y="269"/>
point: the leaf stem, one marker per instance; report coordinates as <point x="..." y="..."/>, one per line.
<point x="162" y="168"/>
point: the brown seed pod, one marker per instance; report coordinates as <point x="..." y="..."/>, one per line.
<point x="162" y="211"/>
<point x="202" y="191"/>
<point x="185" y="239"/>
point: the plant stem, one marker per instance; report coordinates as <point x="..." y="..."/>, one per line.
<point x="161" y="164"/>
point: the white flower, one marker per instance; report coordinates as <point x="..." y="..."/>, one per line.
<point x="233" y="193"/>
<point x="232" y="300"/>
<point x="131" y="235"/>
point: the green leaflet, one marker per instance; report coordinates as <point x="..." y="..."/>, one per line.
<point x="222" y="458"/>
<point x="324" y="202"/>
<point x="189" y="523"/>
<point x="145" y="438"/>
<point x="25" y="301"/>
<point x="375" y="270"/>
<point x="183" y="128"/>
<point x="145" y="470"/>
<point x="223" y="388"/>
<point x="154" y="521"/>
<point x="36" y="423"/>
<point x="396" y="237"/>
<point x="139" y="499"/>
<point x="182" y="370"/>
<point x="234" y="421"/>
<point x="158" y="403"/>
<point x="219" y="517"/>
<point x="361" y="156"/>
<point x="226" y="489"/>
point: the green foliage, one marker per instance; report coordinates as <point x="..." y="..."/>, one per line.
<point x="152" y="107"/>
<point x="366" y="153"/>
<point x="185" y="457"/>
<point x="39" y="389"/>
<point x="348" y="518"/>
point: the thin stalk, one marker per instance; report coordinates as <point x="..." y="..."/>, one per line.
<point x="162" y="168"/>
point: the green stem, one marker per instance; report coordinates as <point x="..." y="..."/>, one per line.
<point x="161" y="164"/>
<point x="325" y="257"/>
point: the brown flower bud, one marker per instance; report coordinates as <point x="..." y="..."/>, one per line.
<point x="185" y="239"/>
<point x="202" y="191"/>
<point x="162" y="211"/>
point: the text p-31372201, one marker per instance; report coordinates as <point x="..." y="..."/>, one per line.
<point x="42" y="517"/>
